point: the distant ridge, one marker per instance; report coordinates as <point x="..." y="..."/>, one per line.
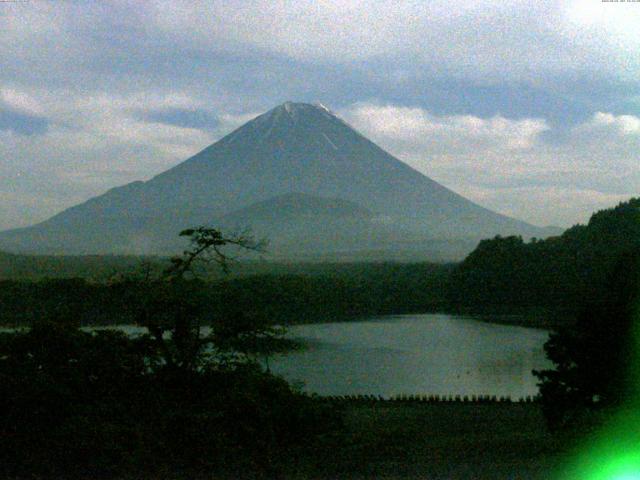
<point x="297" y="158"/>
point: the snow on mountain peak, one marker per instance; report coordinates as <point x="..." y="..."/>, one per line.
<point x="288" y="107"/>
<point x="321" y="106"/>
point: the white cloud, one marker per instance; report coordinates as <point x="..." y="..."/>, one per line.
<point x="572" y="205"/>
<point x="97" y="142"/>
<point x="92" y="144"/>
<point x="409" y="129"/>
<point x="511" y="40"/>
<point x="623" y="124"/>
<point x="90" y="68"/>
<point x="505" y="165"/>
<point x="19" y="101"/>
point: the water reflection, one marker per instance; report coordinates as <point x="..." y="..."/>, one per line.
<point x="425" y="354"/>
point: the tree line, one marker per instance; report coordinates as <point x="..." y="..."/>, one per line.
<point x="559" y="272"/>
<point x="325" y="294"/>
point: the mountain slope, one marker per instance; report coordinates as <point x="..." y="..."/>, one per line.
<point x="293" y="148"/>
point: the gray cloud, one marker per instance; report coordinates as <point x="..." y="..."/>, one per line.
<point x="22" y="123"/>
<point x="20" y="114"/>
<point x="482" y="39"/>
<point x="183" y="117"/>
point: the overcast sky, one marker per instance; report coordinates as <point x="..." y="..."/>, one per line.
<point x="531" y="108"/>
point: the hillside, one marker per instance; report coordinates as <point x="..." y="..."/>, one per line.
<point x="559" y="272"/>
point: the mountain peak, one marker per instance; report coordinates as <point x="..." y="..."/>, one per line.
<point x="291" y="106"/>
<point x="294" y="109"/>
<point x="290" y="116"/>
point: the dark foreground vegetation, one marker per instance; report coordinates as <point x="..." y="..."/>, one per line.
<point x="591" y="276"/>
<point x="436" y="442"/>
<point x="103" y="405"/>
<point x="42" y="267"/>
<point x="91" y="406"/>
<point x="597" y="359"/>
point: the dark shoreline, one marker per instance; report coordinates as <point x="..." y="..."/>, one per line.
<point x="528" y="318"/>
<point x="540" y="318"/>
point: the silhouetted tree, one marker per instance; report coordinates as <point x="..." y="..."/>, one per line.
<point x="596" y="359"/>
<point x="175" y="306"/>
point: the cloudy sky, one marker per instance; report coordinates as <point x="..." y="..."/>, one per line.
<point x="531" y="108"/>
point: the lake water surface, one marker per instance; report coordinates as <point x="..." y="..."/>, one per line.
<point x="415" y="354"/>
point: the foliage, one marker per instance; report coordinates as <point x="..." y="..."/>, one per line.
<point x="39" y="267"/>
<point x="206" y="246"/>
<point x="590" y="272"/>
<point x="595" y="361"/>
<point x="558" y="272"/>
<point x="94" y="404"/>
<point x="63" y="399"/>
<point x="283" y="293"/>
<point x="79" y="404"/>
<point x="174" y="307"/>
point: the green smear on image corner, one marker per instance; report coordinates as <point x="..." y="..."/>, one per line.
<point x="613" y="453"/>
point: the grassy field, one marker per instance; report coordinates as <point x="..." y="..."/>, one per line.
<point x="443" y="441"/>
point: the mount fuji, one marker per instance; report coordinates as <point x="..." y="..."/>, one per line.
<point x="296" y="174"/>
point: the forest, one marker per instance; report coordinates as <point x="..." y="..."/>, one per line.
<point x="175" y="399"/>
<point x="298" y="294"/>
<point x="559" y="272"/>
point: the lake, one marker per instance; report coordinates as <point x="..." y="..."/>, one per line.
<point x="415" y="354"/>
<point x="432" y="354"/>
